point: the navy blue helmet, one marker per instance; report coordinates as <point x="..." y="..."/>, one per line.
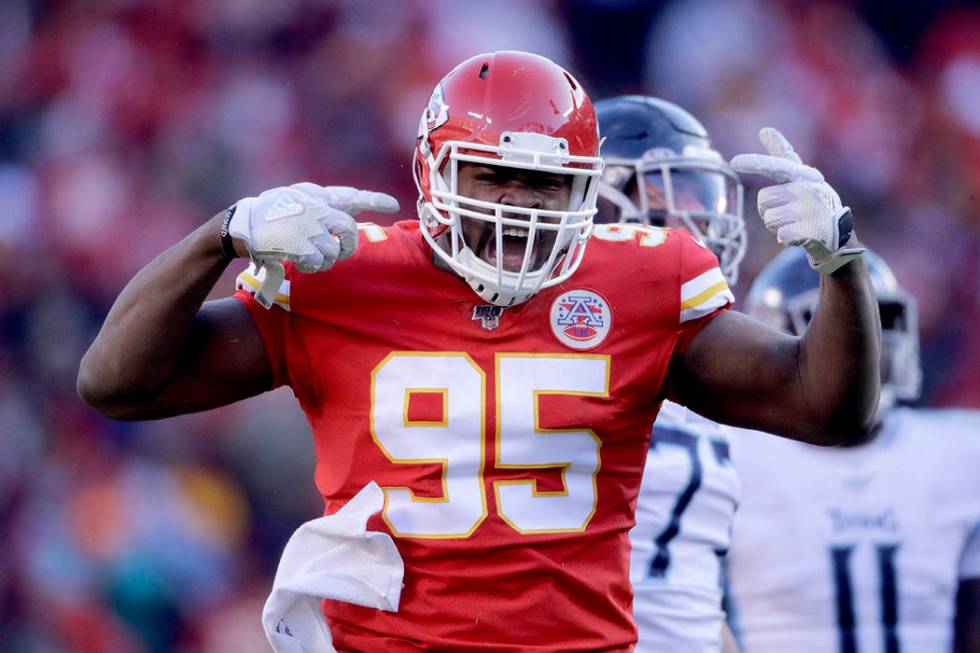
<point x="784" y="296"/>
<point x="685" y="181"/>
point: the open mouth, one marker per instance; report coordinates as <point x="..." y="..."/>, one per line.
<point x="480" y="236"/>
<point x="513" y="247"/>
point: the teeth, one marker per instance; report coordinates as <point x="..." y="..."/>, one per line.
<point x="516" y="232"/>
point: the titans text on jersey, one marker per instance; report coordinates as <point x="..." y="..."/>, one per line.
<point x="856" y="550"/>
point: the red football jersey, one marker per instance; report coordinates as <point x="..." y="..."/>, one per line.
<point x="509" y="442"/>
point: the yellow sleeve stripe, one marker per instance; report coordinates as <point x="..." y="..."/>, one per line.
<point x="700" y="283"/>
<point x="716" y="301"/>
<point x="704" y="296"/>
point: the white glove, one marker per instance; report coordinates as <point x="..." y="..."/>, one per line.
<point x="310" y="225"/>
<point x="801" y="209"/>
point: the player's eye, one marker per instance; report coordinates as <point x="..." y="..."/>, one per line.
<point x="488" y="175"/>
<point x="551" y="183"/>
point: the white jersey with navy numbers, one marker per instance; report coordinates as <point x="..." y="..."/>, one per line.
<point x="856" y="550"/>
<point x="683" y="521"/>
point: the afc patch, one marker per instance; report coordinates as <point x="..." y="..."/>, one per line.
<point x="488" y="314"/>
<point x="580" y="319"/>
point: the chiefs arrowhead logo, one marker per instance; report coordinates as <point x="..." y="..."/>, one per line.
<point x="436" y="113"/>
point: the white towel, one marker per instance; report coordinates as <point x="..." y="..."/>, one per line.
<point x="336" y="558"/>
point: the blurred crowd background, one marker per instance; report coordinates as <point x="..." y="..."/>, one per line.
<point x="125" y="124"/>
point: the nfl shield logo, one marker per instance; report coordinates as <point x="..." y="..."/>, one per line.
<point x="580" y="319"/>
<point x="488" y="314"/>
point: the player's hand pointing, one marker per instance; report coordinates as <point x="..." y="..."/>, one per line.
<point x="801" y="209"/>
<point x="309" y="225"/>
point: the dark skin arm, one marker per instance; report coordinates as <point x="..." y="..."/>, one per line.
<point x="167" y="353"/>
<point x="821" y="388"/>
<point x="968" y="616"/>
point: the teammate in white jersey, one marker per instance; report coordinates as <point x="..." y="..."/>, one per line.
<point x="860" y="549"/>
<point x="662" y="170"/>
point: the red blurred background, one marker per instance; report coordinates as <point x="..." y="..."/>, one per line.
<point x="125" y="124"/>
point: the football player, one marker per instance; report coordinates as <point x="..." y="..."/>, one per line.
<point x="495" y="379"/>
<point x="862" y="548"/>
<point x="662" y="170"/>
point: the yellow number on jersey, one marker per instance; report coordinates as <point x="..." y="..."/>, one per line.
<point x="624" y="232"/>
<point x="457" y="440"/>
<point x="372" y="232"/>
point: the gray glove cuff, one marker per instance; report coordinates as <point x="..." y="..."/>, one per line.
<point x="227" y="243"/>
<point x="828" y="262"/>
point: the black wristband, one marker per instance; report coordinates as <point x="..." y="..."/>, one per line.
<point x="227" y="244"/>
<point x="845" y="227"/>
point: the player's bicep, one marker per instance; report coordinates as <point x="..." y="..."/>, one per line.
<point x="741" y="372"/>
<point x="223" y="361"/>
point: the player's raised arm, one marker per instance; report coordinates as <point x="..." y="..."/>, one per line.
<point x="822" y="387"/>
<point x="163" y="351"/>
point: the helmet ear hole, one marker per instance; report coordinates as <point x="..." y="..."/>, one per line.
<point x="483" y="70"/>
<point x="892" y="316"/>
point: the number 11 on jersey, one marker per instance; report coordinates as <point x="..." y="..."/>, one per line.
<point x="840" y="560"/>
